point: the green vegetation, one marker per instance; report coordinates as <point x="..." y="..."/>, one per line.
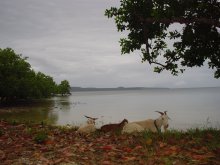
<point x="18" y="81"/>
<point x="33" y="143"/>
<point x="150" y="31"/>
<point x="41" y="137"/>
<point x="64" y="87"/>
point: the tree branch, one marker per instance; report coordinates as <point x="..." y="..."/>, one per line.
<point x="157" y="63"/>
<point x="180" y="20"/>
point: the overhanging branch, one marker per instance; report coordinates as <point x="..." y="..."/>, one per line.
<point x="157" y="63"/>
<point x="180" y="20"/>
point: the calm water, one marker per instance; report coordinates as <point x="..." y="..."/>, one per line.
<point x="186" y="107"/>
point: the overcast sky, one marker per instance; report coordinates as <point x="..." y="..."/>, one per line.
<point x="73" y="40"/>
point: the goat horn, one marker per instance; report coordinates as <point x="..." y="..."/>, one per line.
<point x="90" y="117"/>
<point x="160" y="112"/>
<point x="165" y="112"/>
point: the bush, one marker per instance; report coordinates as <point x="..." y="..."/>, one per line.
<point x="40" y="137"/>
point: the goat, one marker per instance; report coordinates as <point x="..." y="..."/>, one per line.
<point x="113" y="127"/>
<point x="90" y="120"/>
<point x="149" y="124"/>
<point x="132" y="128"/>
<point x="89" y="127"/>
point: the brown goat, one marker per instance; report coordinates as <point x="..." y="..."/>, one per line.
<point x="113" y="127"/>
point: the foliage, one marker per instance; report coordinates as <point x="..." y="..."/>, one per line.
<point x="41" y="137"/>
<point x="19" y="81"/>
<point x="64" y="87"/>
<point x="44" y="85"/>
<point x="150" y="26"/>
<point x="15" y="75"/>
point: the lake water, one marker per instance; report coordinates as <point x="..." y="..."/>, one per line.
<point x="187" y="108"/>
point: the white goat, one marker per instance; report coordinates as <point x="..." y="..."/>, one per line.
<point x="148" y="125"/>
<point x="89" y="127"/>
<point x="132" y="128"/>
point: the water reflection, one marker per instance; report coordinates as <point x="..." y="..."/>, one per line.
<point x="68" y="110"/>
<point x="37" y="112"/>
<point x="62" y="103"/>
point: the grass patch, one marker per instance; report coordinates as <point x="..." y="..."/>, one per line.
<point x="41" y="137"/>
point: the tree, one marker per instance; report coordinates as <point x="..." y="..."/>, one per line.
<point x="19" y="81"/>
<point x="64" y="87"/>
<point x="149" y="22"/>
<point x="14" y="73"/>
<point x="44" y="85"/>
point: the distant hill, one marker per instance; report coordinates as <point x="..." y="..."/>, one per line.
<point x="79" y="89"/>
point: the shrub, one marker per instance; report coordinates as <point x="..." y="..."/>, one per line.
<point x="41" y="137"/>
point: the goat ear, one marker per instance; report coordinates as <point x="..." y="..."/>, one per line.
<point x="90" y="117"/>
<point x="87" y="117"/>
<point x="160" y="112"/>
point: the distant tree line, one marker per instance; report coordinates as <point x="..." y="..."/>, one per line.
<point x="19" y="81"/>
